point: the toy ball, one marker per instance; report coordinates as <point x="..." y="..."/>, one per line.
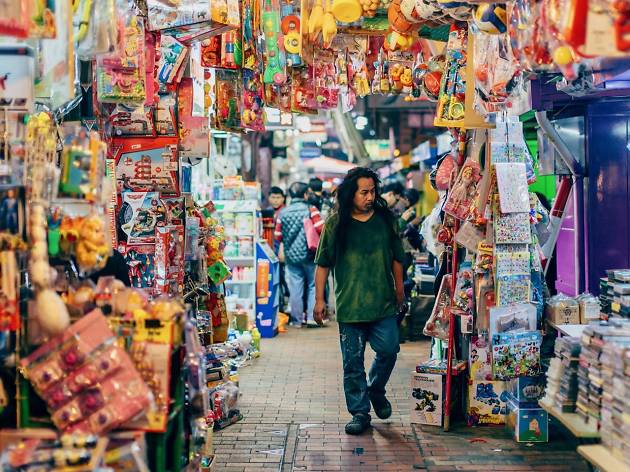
<point x="491" y="18"/>
<point x="347" y="11"/>
<point x="563" y="56"/>
<point x="431" y="85"/>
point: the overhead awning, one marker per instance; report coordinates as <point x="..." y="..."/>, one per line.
<point x="327" y="165"/>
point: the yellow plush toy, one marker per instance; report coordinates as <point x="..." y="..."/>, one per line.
<point x="92" y="249"/>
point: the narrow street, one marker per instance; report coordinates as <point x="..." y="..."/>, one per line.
<point x="294" y="416"/>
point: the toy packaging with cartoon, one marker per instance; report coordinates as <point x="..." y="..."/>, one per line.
<point x="427" y="397"/>
<point x="139" y="142"/>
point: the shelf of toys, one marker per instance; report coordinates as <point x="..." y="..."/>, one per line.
<point x="489" y="306"/>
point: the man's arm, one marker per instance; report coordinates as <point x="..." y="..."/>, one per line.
<point x="397" y="270"/>
<point x="321" y="278"/>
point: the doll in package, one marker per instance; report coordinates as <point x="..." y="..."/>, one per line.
<point x="462" y="193"/>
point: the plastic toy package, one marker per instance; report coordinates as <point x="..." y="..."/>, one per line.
<point x="303" y="91"/>
<point x="274" y="55"/>
<point x="87" y="381"/>
<point x="462" y="194"/>
<point x="516" y="354"/>
<point x="165" y="121"/>
<point x="252" y="115"/>
<point x="120" y="76"/>
<point x="325" y="78"/>
<point x="169" y="252"/>
<point x="497" y="78"/>
<point x="164" y="15"/>
<point x="97" y="32"/>
<point x="437" y="326"/>
<point x="229" y="100"/>
<point x="290" y="26"/>
<point x="172" y="63"/>
<point x="15" y="19"/>
<point x="82" y="162"/>
<point x="147" y="165"/>
<point x="140" y="260"/>
<point x="451" y="103"/>
<point x="139" y="216"/>
<point x="193" y="130"/>
<point x="400" y="72"/>
<point x="250" y="14"/>
<point x="132" y="120"/>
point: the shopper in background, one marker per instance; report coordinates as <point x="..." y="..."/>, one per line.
<point x="318" y="198"/>
<point x="361" y="245"/>
<point x="300" y="268"/>
<point x="277" y="200"/>
<point x="392" y="192"/>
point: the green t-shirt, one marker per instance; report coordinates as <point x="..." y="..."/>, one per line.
<point x="364" y="282"/>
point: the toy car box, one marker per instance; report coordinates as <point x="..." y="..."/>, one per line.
<point x="486" y="402"/>
<point x="527" y="424"/>
<point x="427" y="395"/>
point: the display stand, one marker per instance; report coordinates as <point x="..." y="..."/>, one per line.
<point x="572" y="421"/>
<point x="267" y="290"/>
<point x="240" y="220"/>
<point x="602" y="458"/>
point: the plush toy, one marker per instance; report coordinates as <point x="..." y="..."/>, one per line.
<point x="52" y="313"/>
<point x="92" y="249"/>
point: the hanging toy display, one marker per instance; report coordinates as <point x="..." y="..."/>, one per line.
<point x="491" y="18"/>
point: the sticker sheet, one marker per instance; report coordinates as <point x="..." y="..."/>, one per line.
<point x="511" y="228"/>
<point x="513" y="190"/>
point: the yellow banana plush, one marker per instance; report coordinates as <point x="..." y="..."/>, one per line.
<point x="315" y="20"/>
<point x="329" y="26"/>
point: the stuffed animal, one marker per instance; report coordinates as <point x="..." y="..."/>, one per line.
<point x="92" y="249"/>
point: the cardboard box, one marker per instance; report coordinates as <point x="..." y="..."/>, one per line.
<point x="427" y="395"/>
<point x="486" y="402"/>
<point x="527" y="424"/>
<point x="527" y="390"/>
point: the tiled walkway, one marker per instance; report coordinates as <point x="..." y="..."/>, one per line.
<point x="294" y="415"/>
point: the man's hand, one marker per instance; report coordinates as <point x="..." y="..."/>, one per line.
<point x="400" y="298"/>
<point x="319" y="312"/>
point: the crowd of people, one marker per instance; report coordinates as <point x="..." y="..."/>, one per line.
<point x="299" y="219"/>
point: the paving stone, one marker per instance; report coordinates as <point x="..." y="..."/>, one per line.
<point x="293" y="403"/>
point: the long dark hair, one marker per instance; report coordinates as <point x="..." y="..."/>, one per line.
<point x="344" y="204"/>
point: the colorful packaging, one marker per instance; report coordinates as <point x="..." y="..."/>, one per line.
<point x="147" y="165"/>
<point x="140" y="260"/>
<point x="139" y="216"/>
<point x="193" y="130"/>
<point x="427" y="395"/>
<point x="527" y="424"/>
<point x="527" y="390"/>
<point x="486" y="402"/>
<point x="87" y="381"/>
<point x="516" y="354"/>
<point x="169" y="252"/>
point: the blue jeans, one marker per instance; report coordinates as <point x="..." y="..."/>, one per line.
<point x="383" y="338"/>
<point x="299" y="277"/>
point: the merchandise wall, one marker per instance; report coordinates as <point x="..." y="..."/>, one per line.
<point x="135" y="282"/>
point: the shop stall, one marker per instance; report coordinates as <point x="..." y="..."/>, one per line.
<point x="135" y="281"/>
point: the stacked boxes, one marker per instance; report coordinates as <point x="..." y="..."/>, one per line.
<point x="562" y="375"/>
<point x="615" y="428"/>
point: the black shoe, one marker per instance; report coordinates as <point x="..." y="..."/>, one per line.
<point x="381" y="405"/>
<point x="359" y="424"/>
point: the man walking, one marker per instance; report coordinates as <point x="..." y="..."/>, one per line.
<point x="360" y="243"/>
<point x="299" y="260"/>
